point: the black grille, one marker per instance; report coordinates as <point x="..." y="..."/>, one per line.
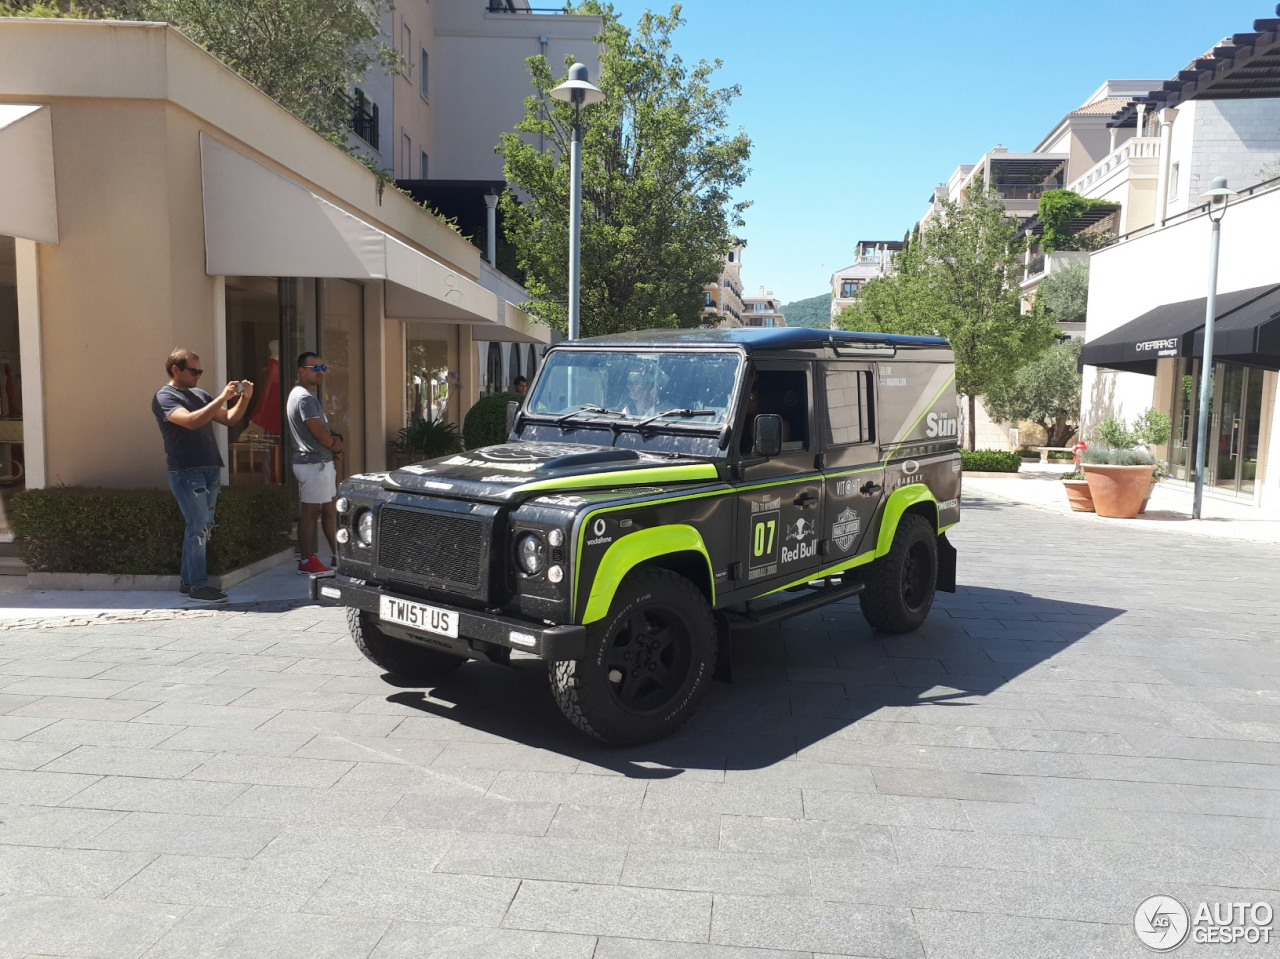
<point x="440" y="547"/>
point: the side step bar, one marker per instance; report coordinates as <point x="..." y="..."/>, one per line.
<point x="813" y="598"/>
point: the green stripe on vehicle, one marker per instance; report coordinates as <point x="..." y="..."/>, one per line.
<point x="633" y="549"/>
<point x="646" y="477"/>
<point x="902" y="499"/>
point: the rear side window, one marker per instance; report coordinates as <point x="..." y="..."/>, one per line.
<point x="849" y="418"/>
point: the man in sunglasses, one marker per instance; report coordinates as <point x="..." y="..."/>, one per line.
<point x="186" y="415"/>
<point x="314" y="448"/>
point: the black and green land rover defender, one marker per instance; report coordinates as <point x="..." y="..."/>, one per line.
<point x="657" y="491"/>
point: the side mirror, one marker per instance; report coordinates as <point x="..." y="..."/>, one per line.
<point x="513" y="413"/>
<point x="767" y="434"/>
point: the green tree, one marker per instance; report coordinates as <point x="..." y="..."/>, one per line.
<point x="658" y="169"/>
<point x="959" y="279"/>
<point x="1046" y="391"/>
<point x="304" y="54"/>
<point x="1065" y="293"/>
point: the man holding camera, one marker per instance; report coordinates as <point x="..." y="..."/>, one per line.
<point x="186" y="415"/>
<point x="315" y="447"/>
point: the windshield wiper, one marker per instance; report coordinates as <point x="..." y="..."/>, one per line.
<point x="585" y="409"/>
<point x="685" y="414"/>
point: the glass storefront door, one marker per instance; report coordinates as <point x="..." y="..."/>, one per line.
<point x="1238" y="395"/>
<point x="1235" y="426"/>
<point x="12" y="473"/>
<point x="342" y="345"/>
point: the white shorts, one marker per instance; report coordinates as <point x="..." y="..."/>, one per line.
<point x="317" y="482"/>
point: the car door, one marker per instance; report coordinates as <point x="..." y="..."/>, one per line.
<point x="779" y="498"/>
<point x="854" y="484"/>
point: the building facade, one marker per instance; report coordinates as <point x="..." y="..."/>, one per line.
<point x="763" y="309"/>
<point x="722" y="300"/>
<point x="155" y="199"/>
<point x="872" y="259"/>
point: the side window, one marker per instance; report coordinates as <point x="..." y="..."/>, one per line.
<point x="785" y="392"/>
<point x="849" y="414"/>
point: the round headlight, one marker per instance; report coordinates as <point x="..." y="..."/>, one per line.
<point x="364" y="528"/>
<point x="344" y="535"/>
<point x="556" y="537"/>
<point x="343" y="504"/>
<point x="555" y="574"/>
<point x="531" y="555"/>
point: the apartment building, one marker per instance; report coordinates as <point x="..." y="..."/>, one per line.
<point x="872" y="259"/>
<point x="722" y="299"/>
<point x="763" y="309"/>
<point x="1144" y="337"/>
<point x="465" y="84"/>
<point x="155" y="199"/>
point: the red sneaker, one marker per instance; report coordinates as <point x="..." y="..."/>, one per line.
<point x="313" y="565"/>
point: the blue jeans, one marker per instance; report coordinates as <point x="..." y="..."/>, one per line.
<point x="197" y="494"/>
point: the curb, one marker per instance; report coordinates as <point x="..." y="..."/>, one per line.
<point x="107" y="581"/>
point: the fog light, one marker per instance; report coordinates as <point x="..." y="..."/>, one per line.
<point x="522" y="639"/>
<point x="555" y="537"/>
<point x="555" y="574"/>
<point x="344" y="536"/>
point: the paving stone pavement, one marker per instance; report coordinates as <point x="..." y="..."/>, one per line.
<point x="1094" y="718"/>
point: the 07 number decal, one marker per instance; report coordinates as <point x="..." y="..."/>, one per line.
<point x="764" y="538"/>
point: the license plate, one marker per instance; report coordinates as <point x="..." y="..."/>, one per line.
<point x="431" y="619"/>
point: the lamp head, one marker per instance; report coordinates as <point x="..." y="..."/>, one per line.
<point x="1217" y="196"/>
<point x="577" y="88"/>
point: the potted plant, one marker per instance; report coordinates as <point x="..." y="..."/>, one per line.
<point x="1122" y="475"/>
<point x="1078" y="494"/>
<point x="424" y="440"/>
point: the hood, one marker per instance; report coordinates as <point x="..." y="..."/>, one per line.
<point x="511" y="471"/>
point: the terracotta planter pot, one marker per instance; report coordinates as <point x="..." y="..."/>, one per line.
<point x="1118" y="491"/>
<point x="1150" y="490"/>
<point x="1078" y="495"/>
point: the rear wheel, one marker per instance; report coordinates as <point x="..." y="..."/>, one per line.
<point x="401" y="658"/>
<point x="648" y="662"/>
<point x="901" y="584"/>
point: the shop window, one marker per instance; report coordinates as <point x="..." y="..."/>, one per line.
<point x="427" y="380"/>
<point x="493" y="369"/>
<point x="12" y="469"/>
<point x="342" y="346"/>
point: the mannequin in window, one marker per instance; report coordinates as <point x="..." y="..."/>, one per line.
<point x="266" y="415"/>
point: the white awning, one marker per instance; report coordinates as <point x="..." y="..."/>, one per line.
<point x="28" y="199"/>
<point x="260" y="223"/>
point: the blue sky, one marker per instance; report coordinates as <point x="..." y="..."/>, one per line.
<point x="858" y="109"/>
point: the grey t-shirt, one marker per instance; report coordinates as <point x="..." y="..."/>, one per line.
<point x="185" y="449"/>
<point x="304" y="405"/>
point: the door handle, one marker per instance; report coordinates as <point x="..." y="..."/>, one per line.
<point x="870" y="486"/>
<point x="806" y="500"/>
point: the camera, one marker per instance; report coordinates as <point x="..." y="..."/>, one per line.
<point x="239" y="386"/>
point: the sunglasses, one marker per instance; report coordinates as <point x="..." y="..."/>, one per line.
<point x="194" y="372"/>
<point x="320" y="368"/>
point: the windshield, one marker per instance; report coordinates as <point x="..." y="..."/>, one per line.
<point x="636" y="386"/>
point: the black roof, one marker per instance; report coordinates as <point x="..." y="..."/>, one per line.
<point x="763" y="338"/>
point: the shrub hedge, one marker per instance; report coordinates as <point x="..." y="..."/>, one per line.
<point x="73" y="529"/>
<point x="486" y="423"/>
<point x="990" y="461"/>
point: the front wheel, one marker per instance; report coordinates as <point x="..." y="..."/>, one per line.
<point x="399" y="657"/>
<point x="901" y="583"/>
<point x="648" y="662"/>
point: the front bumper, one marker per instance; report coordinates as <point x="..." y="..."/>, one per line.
<point x="478" y="633"/>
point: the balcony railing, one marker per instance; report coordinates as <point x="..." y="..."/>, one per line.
<point x="364" y="119"/>
<point x="1024" y="191"/>
<point x="503" y="6"/>
<point x="1135" y="148"/>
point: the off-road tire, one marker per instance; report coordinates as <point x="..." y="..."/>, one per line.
<point x="901" y="583"/>
<point x="660" y="631"/>
<point x="399" y="657"/>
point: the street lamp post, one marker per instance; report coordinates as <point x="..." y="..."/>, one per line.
<point x="578" y="90"/>
<point x="1217" y="196"/>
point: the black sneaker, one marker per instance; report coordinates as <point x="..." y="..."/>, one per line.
<point x="184" y="588"/>
<point x="208" y="594"/>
